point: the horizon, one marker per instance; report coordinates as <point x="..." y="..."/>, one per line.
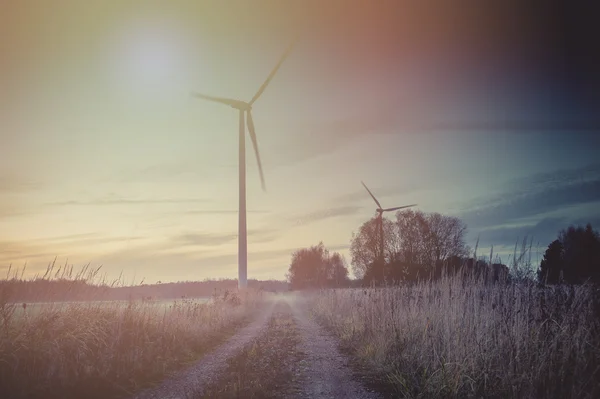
<point x="106" y="158"/>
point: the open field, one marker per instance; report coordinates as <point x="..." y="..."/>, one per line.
<point x="455" y="337"/>
<point x="459" y="338"/>
<point x="33" y="308"/>
<point x="109" y="349"/>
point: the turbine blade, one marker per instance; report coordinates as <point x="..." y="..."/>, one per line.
<point x="372" y="196"/>
<point x="274" y="71"/>
<point x="255" y="145"/>
<point x="399" y="207"/>
<point x="226" y="101"/>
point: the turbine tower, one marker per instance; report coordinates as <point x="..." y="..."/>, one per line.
<point x="380" y="211"/>
<point x="246" y="107"/>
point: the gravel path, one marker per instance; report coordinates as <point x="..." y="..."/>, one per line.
<point x="325" y="373"/>
<point x="191" y="382"/>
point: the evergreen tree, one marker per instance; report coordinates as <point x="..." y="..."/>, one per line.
<point x="552" y="264"/>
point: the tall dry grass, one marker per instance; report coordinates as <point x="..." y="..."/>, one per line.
<point x="107" y="349"/>
<point x="460" y="338"/>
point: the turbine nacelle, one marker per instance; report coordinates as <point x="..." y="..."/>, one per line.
<point x="242" y="106"/>
<point x="379" y="209"/>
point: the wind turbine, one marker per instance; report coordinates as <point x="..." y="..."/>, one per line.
<point x="246" y="107"/>
<point x="379" y="222"/>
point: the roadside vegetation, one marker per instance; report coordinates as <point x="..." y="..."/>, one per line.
<point x="106" y="349"/>
<point x="266" y="367"/>
<point x="427" y="317"/>
<point x="458" y="337"/>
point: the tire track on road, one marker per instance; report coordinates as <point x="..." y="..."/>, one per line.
<point x="191" y="382"/>
<point x="325" y="373"/>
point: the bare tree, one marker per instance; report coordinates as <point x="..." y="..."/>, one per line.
<point x="427" y="238"/>
<point x="444" y="236"/>
<point x="365" y="245"/>
<point x="415" y="239"/>
<point x="411" y="226"/>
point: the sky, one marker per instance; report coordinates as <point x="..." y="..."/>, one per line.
<point x="480" y="111"/>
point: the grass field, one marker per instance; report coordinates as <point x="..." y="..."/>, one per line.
<point x="108" y="349"/>
<point x="460" y="338"/>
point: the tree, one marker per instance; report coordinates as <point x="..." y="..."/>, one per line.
<point x="581" y="254"/>
<point x="573" y="258"/>
<point x="364" y="247"/>
<point x="429" y="238"/>
<point x="444" y="237"/>
<point x="413" y="244"/>
<point x="315" y="267"/>
<point x="411" y="226"/>
<point x="337" y="271"/>
<point x="552" y="264"/>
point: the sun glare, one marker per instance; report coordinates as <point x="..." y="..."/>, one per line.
<point x="151" y="55"/>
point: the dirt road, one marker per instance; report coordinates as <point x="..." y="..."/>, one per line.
<point x="280" y="354"/>
<point x="191" y="382"/>
<point x="325" y="373"/>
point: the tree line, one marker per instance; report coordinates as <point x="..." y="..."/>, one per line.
<point x="573" y="258"/>
<point x="64" y="289"/>
<point x="418" y="245"/>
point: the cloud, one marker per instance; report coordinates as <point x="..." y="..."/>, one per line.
<point x="534" y="204"/>
<point x="69" y="237"/>
<point x="221" y="212"/>
<point x="48" y="248"/>
<point x="253" y="256"/>
<point x="311" y="146"/>
<point x="167" y="171"/>
<point x="92" y="240"/>
<point x="157" y="172"/>
<point x="319" y="215"/>
<point x="541" y="181"/>
<point x="536" y="183"/>
<point x="212" y="239"/>
<point x="325" y="138"/>
<point x="202" y="239"/>
<point x="335" y="248"/>
<point x="102" y="202"/>
<point x="12" y="188"/>
<point x="12" y="184"/>
<point x="16" y="251"/>
<point x="536" y="195"/>
<point x="12" y="211"/>
<point x="263" y="235"/>
<point x="379" y="192"/>
<point x="543" y="232"/>
<point x="407" y="115"/>
<point x="505" y="126"/>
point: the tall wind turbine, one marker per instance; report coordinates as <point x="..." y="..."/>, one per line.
<point x="380" y="211"/>
<point x="246" y="107"/>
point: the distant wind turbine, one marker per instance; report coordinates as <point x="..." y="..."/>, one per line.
<point x="379" y="222"/>
<point x="243" y="106"/>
